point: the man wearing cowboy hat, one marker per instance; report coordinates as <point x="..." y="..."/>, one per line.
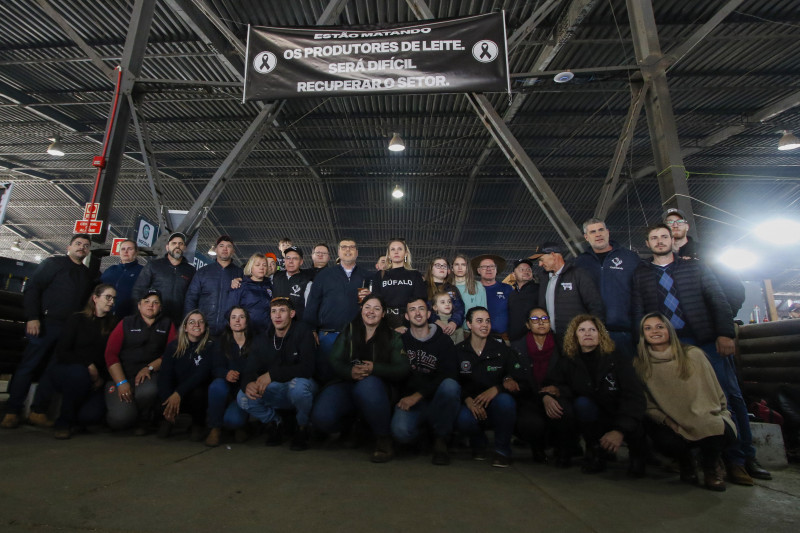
<point x="570" y="290"/>
<point x="488" y="266"/>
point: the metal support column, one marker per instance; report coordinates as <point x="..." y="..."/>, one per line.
<point x="672" y="182"/>
<point x="149" y="159"/>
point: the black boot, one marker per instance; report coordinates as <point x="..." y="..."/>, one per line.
<point x="595" y="459"/>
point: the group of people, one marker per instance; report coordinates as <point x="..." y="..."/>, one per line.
<point x="607" y="347"/>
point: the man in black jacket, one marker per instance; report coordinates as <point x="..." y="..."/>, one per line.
<point x="569" y="292"/>
<point x="431" y="393"/>
<point x="524" y="298"/>
<point x="689" y="295"/>
<point x="278" y="374"/>
<point x="291" y="282"/>
<point x="170" y="275"/>
<point x="59" y="287"/>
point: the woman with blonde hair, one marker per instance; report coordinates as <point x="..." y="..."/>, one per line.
<point x="686" y="407"/>
<point x="254" y="293"/>
<point x="398" y="283"/>
<point x="606" y="396"/>
<point x="185" y="375"/>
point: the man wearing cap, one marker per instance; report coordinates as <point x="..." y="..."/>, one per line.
<point x="611" y="267"/>
<point x="687" y="248"/>
<point x="272" y="265"/>
<point x="524" y="297"/>
<point x="569" y="291"/>
<point x="123" y="276"/>
<point x="291" y="282"/>
<point x="209" y="288"/>
<point x="488" y="266"/>
<point x="688" y="294"/>
<point x="57" y="288"/>
<point x="170" y="275"/>
<point x="333" y="302"/>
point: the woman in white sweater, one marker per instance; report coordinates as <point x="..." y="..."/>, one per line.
<point x="686" y="407"/>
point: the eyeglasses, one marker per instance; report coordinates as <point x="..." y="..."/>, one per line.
<point x="199" y="322"/>
<point x="348" y="247"/>
<point x="440" y="265"/>
<point x="109" y="298"/>
<point x="544" y="318"/>
<point x="488" y="267"/>
<point x="679" y="222"/>
<point x="321" y="253"/>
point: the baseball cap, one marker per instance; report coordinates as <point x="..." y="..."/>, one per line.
<point x="223" y="238"/>
<point x="294" y="249"/>
<point x="673" y="211"/>
<point x="177" y="234"/>
<point x="549" y="247"/>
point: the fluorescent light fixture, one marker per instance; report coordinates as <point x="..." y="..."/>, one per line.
<point x="779" y="231"/>
<point x="397" y="144"/>
<point x="397" y="193"/>
<point x="212" y="251"/>
<point x="56" y="148"/>
<point x="788" y="141"/>
<point x="15" y="247"/>
<point x="563" y="77"/>
<point x="37" y="258"/>
<point x="738" y="258"/>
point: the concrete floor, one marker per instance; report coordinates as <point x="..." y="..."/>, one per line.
<point x="117" y="482"/>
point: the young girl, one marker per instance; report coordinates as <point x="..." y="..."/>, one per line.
<point x="443" y="307"/>
<point x="472" y="292"/>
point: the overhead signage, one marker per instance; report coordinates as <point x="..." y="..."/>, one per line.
<point x="458" y="55"/>
<point x="89" y="227"/>
<point x="90" y="211"/>
<point x="115" y="244"/>
<point x="146" y="232"/>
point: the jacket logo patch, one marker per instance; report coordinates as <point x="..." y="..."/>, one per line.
<point x="501" y="295"/>
<point x="566" y="286"/>
<point x="612" y="382"/>
<point x="295" y="290"/>
<point x="616" y="262"/>
<point x="466" y="367"/>
<point x="197" y="360"/>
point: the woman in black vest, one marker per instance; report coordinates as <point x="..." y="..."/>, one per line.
<point x="133" y="357"/>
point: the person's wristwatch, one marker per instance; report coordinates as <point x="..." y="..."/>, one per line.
<point x="150" y="368"/>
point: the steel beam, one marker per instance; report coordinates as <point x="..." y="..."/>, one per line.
<point x="638" y="93"/>
<point x="680" y="51"/>
<point x="530" y="24"/>
<point x="131" y="65"/>
<point x="672" y="182"/>
<point x="149" y="159"/>
<point x="548" y="202"/>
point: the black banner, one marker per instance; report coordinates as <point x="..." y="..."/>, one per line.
<point x="459" y="55"/>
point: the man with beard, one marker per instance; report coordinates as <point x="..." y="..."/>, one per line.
<point x="170" y="275"/>
<point x="209" y="288"/>
<point x="688" y="294"/>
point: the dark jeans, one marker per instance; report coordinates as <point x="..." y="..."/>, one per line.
<point x="500" y="416"/>
<point x="223" y="411"/>
<point x="595" y="422"/>
<point x="440" y="413"/>
<point x="533" y="424"/>
<point x="725" y="369"/>
<point x="674" y="445"/>
<point x="81" y="404"/>
<point x="38" y="354"/>
<point x="623" y="341"/>
<point x="195" y="403"/>
<point x="369" y="397"/>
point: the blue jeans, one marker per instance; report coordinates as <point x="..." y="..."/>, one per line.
<point x="440" y="412"/>
<point x="624" y="343"/>
<point x="725" y="370"/>
<point x="501" y="414"/>
<point x="80" y="403"/>
<point x="323" y="370"/>
<point x="36" y="357"/>
<point x="296" y="394"/>
<point x="369" y="397"/>
<point x="223" y="410"/>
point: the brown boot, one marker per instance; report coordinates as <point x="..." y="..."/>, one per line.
<point x="738" y="474"/>
<point x="213" y="437"/>
<point x="713" y="480"/>
<point x="10" y="421"/>
<point x="383" y="450"/>
<point x="39" y="419"/>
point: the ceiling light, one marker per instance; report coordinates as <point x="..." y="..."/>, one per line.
<point x="788" y="141"/>
<point x="56" y="148"/>
<point x="15" y="247"/>
<point x="779" y="231"/>
<point x="563" y="77"/>
<point x="397" y="193"/>
<point x="212" y="251"/>
<point x="37" y="258"/>
<point x="738" y="259"/>
<point x="397" y="144"/>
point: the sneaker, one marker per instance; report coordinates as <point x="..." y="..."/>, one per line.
<point x="213" y="437"/>
<point x="273" y="431"/>
<point x="61" y="433"/>
<point x="300" y="439"/>
<point x="164" y="429"/>
<point x="198" y="433"/>
<point x="142" y="429"/>
<point x="501" y="461"/>
<point x="383" y="450"/>
<point x="40" y="420"/>
<point x="538" y="454"/>
<point x="479" y="454"/>
<point x="241" y="435"/>
<point x="595" y="460"/>
<point x="756" y="470"/>
<point x="440" y="453"/>
<point x="738" y="474"/>
<point x="10" y="421"/>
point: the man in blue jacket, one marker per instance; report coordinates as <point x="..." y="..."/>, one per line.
<point x="209" y="288"/>
<point x="611" y="268"/>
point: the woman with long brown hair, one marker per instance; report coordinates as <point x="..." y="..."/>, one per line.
<point x="440" y="279"/>
<point x="472" y="292"/>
